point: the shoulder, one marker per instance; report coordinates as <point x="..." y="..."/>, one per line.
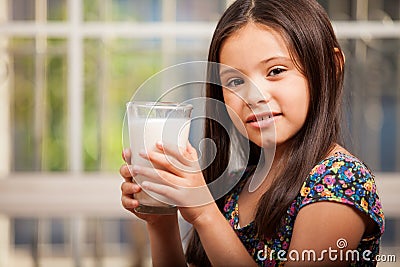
<point x="337" y="173"/>
<point x="344" y="179"/>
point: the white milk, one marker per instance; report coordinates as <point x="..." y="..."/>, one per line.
<point x="144" y="133"/>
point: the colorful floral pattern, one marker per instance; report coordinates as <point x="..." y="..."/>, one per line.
<point x="340" y="178"/>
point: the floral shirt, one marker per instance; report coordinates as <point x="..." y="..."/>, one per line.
<point x="340" y="178"/>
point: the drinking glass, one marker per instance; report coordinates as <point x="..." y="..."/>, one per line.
<point x="148" y="123"/>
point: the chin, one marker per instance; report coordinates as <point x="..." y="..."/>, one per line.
<point x="268" y="144"/>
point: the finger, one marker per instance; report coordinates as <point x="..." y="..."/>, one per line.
<point x="129" y="203"/>
<point x="127" y="200"/>
<point x="191" y="150"/>
<point x="182" y="197"/>
<point x="126" y="155"/>
<point x="158" y="175"/>
<point x="126" y="172"/>
<point x="168" y="193"/>
<point x="167" y="162"/>
<point x="129" y="188"/>
<point x="175" y="151"/>
<point x="184" y="156"/>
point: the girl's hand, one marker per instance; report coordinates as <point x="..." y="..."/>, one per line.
<point x="177" y="178"/>
<point x="129" y="188"/>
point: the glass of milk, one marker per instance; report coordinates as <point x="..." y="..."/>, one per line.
<point x="150" y="122"/>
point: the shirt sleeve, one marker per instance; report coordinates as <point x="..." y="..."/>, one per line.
<point x="344" y="179"/>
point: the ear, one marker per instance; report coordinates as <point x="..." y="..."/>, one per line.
<point x="337" y="50"/>
<point x="340" y="57"/>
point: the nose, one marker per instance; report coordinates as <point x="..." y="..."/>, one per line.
<point x="255" y="96"/>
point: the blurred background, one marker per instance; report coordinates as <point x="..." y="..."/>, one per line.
<point x="67" y="68"/>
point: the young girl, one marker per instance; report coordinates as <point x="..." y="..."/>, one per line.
<point x="318" y="205"/>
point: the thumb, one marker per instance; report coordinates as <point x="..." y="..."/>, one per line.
<point x="191" y="150"/>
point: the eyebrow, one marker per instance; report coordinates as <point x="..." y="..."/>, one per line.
<point x="266" y="61"/>
<point x="230" y="70"/>
<point x="276" y="58"/>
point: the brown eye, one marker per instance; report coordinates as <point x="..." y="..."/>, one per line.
<point x="235" y="82"/>
<point x="276" y="71"/>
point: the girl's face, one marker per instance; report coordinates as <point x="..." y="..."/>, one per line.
<point x="262" y="87"/>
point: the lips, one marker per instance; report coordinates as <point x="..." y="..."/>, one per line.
<point x="262" y="116"/>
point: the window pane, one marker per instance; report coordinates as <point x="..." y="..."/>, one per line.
<point x="383" y="10"/>
<point x="194" y="10"/>
<point x="114" y="69"/>
<point x="339" y="9"/>
<point x="24" y="231"/>
<point x="122" y="10"/>
<point x="55" y="133"/>
<point x="39" y="107"/>
<point x="56" y="10"/>
<point x="191" y="49"/>
<point x="373" y="97"/>
<point x="22" y="59"/>
<point x="369" y="9"/>
<point x="136" y="10"/>
<point x="392" y="8"/>
<point x="22" y="9"/>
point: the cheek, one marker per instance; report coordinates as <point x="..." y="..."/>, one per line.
<point x="297" y="104"/>
<point x="231" y="101"/>
<point x="234" y="107"/>
<point x="299" y="108"/>
<point x="303" y="106"/>
<point x="237" y="122"/>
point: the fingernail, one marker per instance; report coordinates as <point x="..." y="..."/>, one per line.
<point x="145" y="185"/>
<point x="135" y="168"/>
<point x="131" y="171"/>
<point x="136" y="187"/>
<point x="142" y="153"/>
<point x="125" y="151"/>
<point x="159" y="144"/>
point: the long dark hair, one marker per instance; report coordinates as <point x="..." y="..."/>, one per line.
<point x="313" y="46"/>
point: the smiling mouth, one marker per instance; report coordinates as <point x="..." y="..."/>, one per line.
<point x="262" y="117"/>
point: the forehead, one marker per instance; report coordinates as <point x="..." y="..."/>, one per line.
<point x="254" y="38"/>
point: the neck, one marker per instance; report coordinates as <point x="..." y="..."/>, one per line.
<point x="266" y="171"/>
